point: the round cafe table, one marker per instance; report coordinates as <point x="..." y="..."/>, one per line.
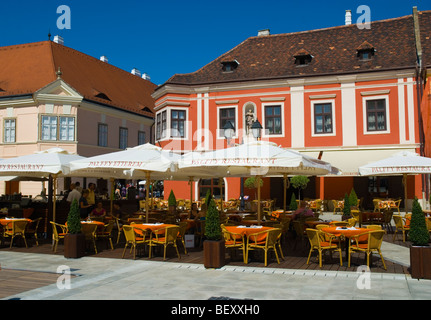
<point x="247" y="231"/>
<point x="140" y="227"/>
<point x="346" y="232"/>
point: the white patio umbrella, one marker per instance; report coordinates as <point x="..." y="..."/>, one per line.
<point x="145" y="161"/>
<point x="258" y="159"/>
<point x="402" y="163"/>
<point x="53" y="163"/>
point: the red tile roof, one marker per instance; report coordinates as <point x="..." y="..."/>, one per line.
<point x="24" y="69"/>
<point x="334" y="51"/>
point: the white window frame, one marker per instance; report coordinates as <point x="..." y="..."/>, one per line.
<point x="220" y="133"/>
<point x="140" y="135"/>
<point x="168" y="111"/>
<point x="334" y="130"/>
<point x="50" y="128"/>
<point x="67" y="129"/>
<point x="7" y="128"/>
<point x="104" y="136"/>
<point x="263" y="120"/>
<point x="120" y="136"/>
<point x="365" y="119"/>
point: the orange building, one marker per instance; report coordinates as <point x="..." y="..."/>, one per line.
<point x="347" y="95"/>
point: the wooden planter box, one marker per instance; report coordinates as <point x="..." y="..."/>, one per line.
<point x="420" y="262"/>
<point x="74" y="246"/>
<point x="214" y="254"/>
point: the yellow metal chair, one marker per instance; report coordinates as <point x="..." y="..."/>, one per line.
<point x="89" y="230"/>
<point x="375" y="239"/>
<point x="374" y="227"/>
<point x="318" y="242"/>
<point x="400" y="226"/>
<point x="133" y="239"/>
<point x="106" y="233"/>
<point x="340" y="223"/>
<point x="56" y="235"/>
<point x="165" y="237"/>
<point x="16" y="229"/>
<point x="376" y="203"/>
<point x="234" y="241"/>
<point x="182" y="234"/>
<point x="271" y="241"/>
<point x="32" y="229"/>
<point x="338" y="206"/>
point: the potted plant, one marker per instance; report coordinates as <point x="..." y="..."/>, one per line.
<point x="293" y="204"/>
<point x="214" y="245"/>
<point x="299" y="182"/>
<point x="353" y="199"/>
<point x="346" y="208"/>
<point x="74" y="240"/>
<point x="420" y="251"/>
<point x="172" y="203"/>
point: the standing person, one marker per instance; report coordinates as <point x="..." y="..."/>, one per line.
<point x="78" y="186"/>
<point x="74" y="194"/>
<point x="84" y="207"/>
<point x="91" y="195"/>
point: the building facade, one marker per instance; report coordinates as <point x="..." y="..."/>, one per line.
<point x="55" y="96"/>
<point x="346" y="95"/>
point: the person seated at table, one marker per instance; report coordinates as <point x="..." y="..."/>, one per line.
<point x="119" y="213"/>
<point x="83" y="204"/>
<point x="194" y="212"/>
<point x="99" y="211"/>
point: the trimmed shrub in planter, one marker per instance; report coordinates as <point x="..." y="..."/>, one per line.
<point x="420" y="251"/>
<point x="74" y="240"/>
<point x="214" y="245"/>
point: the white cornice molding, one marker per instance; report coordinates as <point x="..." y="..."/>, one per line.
<point x="14" y="102"/>
<point x="172" y="103"/>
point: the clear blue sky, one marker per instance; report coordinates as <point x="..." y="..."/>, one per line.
<point x="166" y="37"/>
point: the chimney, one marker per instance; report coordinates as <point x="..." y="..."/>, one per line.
<point x="104" y="59"/>
<point x="145" y="76"/>
<point x="348" y="17"/>
<point x="59" y="40"/>
<point x="264" y="32"/>
<point x="136" y="72"/>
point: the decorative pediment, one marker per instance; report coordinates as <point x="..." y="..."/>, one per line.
<point x="58" y="92"/>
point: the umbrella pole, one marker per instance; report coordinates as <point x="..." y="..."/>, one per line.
<point x="146" y="197"/>
<point x="258" y="201"/>
<point x="405" y="191"/>
<point x="112" y="195"/>
<point x="284" y="193"/>
<point x="54" y="200"/>
<point x="191" y="192"/>
<point x="221" y="195"/>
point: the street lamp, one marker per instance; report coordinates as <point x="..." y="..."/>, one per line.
<point x="256" y="129"/>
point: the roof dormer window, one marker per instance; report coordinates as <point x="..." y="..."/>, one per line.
<point x="303" y="58"/>
<point x="365" y="51"/>
<point x="229" y="64"/>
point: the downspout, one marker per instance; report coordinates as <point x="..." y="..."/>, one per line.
<point x="419" y="93"/>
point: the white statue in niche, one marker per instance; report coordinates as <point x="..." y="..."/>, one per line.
<point x="249" y="120"/>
